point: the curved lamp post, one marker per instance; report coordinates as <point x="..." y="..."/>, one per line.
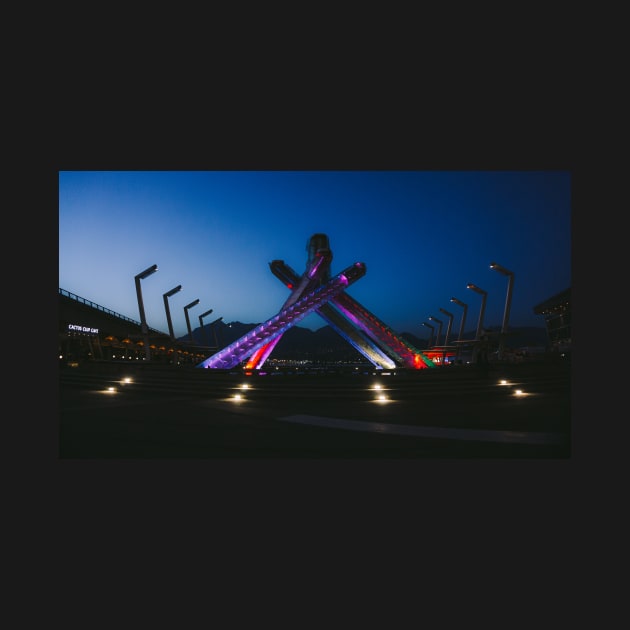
<point x="463" y="323"/>
<point x="482" y="310"/>
<point x="168" y="312"/>
<point x="508" y="301"/>
<point x="435" y="319"/>
<point x="203" y="332"/>
<point x="448" y="327"/>
<point x="430" y="334"/>
<point x="143" y="320"/>
<point x="188" y="320"/>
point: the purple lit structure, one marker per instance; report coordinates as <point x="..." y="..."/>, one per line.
<point x="233" y="354"/>
<point x="315" y="291"/>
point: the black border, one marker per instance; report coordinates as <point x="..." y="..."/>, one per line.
<point x="344" y="139"/>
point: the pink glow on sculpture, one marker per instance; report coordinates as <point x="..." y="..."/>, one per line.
<point x="316" y="266"/>
<point x="233" y="354"/>
<point x="314" y="291"/>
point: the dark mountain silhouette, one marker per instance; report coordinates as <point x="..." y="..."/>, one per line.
<point x="325" y="344"/>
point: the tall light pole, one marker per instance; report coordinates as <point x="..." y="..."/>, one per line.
<point x="188" y="320"/>
<point x="461" y="326"/>
<point x="437" y="339"/>
<point x="463" y="322"/>
<point x="508" y="301"/>
<point x="143" y="320"/>
<point x="448" y="327"/>
<point x="168" y="312"/>
<point x="482" y="310"/>
<point x="203" y="333"/>
<point x="431" y="333"/>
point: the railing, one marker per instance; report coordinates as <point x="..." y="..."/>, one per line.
<point x="98" y="307"/>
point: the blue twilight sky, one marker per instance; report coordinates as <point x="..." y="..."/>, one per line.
<point x="423" y="236"/>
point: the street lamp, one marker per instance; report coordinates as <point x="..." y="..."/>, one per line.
<point x="484" y="296"/>
<point x="508" y="301"/>
<point x="188" y="320"/>
<point x="168" y="312"/>
<point x="463" y="323"/>
<point x="143" y="320"/>
<point x="430" y="334"/>
<point x="437" y="339"/>
<point x="448" y="327"/>
<point x="203" y="333"/>
<point x="482" y="310"/>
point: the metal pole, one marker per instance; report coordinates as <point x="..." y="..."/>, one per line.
<point x="461" y="326"/>
<point x="481" y="314"/>
<point x="448" y="327"/>
<point x="168" y="317"/>
<point x="188" y="320"/>
<point x="435" y="319"/>
<point x="143" y="320"/>
<point x="508" y="301"/>
<point x="188" y="324"/>
<point x="484" y="295"/>
<point x="506" y="314"/>
<point x="168" y="311"/>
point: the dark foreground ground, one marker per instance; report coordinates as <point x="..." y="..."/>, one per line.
<point x="447" y="412"/>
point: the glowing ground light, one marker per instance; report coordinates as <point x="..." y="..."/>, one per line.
<point x="377" y="387"/>
<point x="516" y="392"/>
<point x="126" y="381"/>
<point x="382" y="399"/>
<point x="110" y="390"/>
<point x="244" y="386"/>
<point x="237" y="397"/>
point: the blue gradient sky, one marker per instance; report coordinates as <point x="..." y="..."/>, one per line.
<point x="423" y="236"/>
